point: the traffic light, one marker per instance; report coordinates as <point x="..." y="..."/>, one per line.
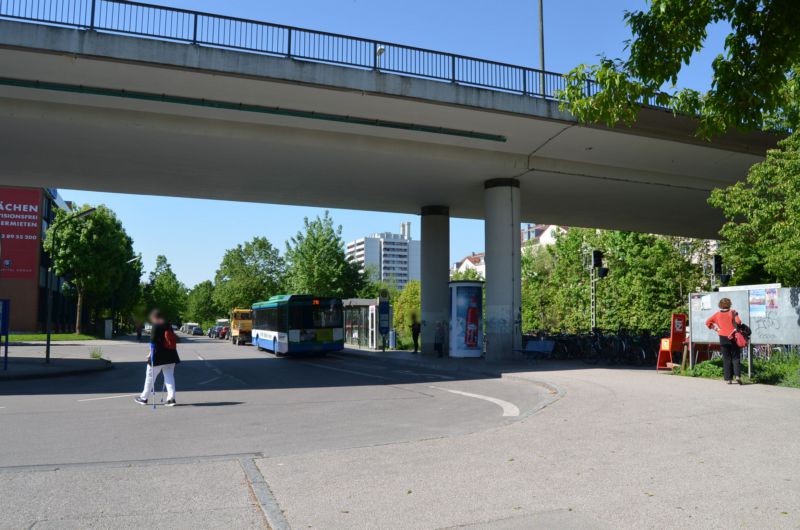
<point x="717" y="264"/>
<point x="597" y="259"/>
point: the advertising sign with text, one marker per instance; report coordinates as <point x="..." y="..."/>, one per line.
<point x="19" y="232"/>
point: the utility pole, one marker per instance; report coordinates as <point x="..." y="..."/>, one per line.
<point x="542" y="88"/>
<point x="541" y="35"/>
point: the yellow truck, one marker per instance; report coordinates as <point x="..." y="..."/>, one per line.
<point x="241" y="326"/>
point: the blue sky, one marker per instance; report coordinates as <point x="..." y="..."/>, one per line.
<point x="576" y="31"/>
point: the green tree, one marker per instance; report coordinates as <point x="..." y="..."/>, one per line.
<point x="762" y="234"/>
<point x="537" y="267"/>
<point x="650" y="278"/>
<point x="165" y="292"/>
<point x="200" y="304"/>
<point x="406" y="306"/>
<point x="95" y="253"/>
<point x="468" y="274"/>
<point x="249" y="273"/>
<point x="317" y="263"/>
<point x="756" y="81"/>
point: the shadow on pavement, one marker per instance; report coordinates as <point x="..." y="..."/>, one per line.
<point x="249" y="373"/>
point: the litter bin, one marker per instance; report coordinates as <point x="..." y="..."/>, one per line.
<point x="392" y="340"/>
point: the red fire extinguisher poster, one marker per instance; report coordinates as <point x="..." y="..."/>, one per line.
<point x="19" y="232"/>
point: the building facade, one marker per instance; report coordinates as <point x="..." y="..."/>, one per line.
<point x="25" y="215"/>
<point x="393" y="258"/>
<point x="475" y="261"/>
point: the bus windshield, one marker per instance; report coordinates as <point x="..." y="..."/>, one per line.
<point x="308" y="315"/>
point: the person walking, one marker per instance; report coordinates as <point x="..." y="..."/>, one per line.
<point x="725" y="322"/>
<point x="415" y="329"/>
<point x="162" y="359"/>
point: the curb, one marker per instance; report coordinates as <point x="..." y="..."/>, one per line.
<point x="101" y="366"/>
<point x="423" y="364"/>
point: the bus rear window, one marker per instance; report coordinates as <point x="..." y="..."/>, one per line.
<point x="308" y="316"/>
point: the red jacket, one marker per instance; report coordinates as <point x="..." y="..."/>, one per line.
<point x="723" y="323"/>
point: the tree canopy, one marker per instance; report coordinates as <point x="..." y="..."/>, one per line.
<point x="96" y="254"/>
<point x="165" y="292"/>
<point x="317" y="263"/>
<point x="650" y="278"/>
<point x="756" y="81"/>
<point x="249" y="273"/>
<point x="200" y="305"/>
<point x="762" y="234"/>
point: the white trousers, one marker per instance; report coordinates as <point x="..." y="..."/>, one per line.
<point x="152" y="375"/>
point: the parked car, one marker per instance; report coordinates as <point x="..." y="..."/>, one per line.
<point x="197" y="331"/>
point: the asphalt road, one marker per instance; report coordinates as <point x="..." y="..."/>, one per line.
<point x="235" y="404"/>
<point x="341" y="442"/>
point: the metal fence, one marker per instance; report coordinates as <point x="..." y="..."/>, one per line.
<point x="181" y="25"/>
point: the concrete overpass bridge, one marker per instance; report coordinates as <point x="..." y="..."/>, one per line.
<point x="119" y="96"/>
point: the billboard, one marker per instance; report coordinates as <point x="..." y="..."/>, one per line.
<point x="19" y="232"/>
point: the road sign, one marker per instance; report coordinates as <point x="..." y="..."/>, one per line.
<point x="384" y="312"/>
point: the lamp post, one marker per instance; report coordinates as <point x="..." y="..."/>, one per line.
<point x="49" y="318"/>
<point x="541" y="45"/>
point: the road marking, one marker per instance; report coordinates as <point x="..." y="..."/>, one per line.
<point x="509" y="409"/>
<point x="325" y="366"/>
<point x="209" y="381"/>
<point x="106" y="397"/>
<point x="436" y="376"/>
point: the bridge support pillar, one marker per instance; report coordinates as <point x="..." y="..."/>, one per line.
<point x="435" y="266"/>
<point x="503" y="268"/>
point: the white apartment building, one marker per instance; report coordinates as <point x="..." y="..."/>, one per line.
<point x="389" y="257"/>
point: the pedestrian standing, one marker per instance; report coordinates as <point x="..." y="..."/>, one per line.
<point x="162" y="359"/>
<point x="415" y="329"/>
<point x="438" y="341"/>
<point x="726" y="322"/>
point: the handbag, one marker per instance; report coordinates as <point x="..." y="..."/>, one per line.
<point x="737" y="336"/>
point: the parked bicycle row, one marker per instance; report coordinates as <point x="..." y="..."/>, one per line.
<point x="599" y="346"/>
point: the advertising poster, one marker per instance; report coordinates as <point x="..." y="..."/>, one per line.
<point x="468" y="317"/>
<point x="758" y="303"/>
<point x="772" y="299"/>
<point x="19" y="232"/>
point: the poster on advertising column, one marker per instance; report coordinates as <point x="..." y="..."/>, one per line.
<point x="19" y="232"/>
<point x="466" y="334"/>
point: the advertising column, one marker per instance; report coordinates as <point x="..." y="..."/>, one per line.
<point x="466" y="319"/>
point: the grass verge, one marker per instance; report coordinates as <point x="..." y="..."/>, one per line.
<point x="55" y="337"/>
<point x="779" y="369"/>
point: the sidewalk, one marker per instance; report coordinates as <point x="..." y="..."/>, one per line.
<point x="28" y="363"/>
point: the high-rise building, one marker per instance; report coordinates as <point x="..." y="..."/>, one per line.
<point x="393" y="258"/>
<point x="25" y="214"/>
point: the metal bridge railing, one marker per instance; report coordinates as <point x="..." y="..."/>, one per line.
<point x="181" y="25"/>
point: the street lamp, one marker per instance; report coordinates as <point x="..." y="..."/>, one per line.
<point x="49" y="320"/>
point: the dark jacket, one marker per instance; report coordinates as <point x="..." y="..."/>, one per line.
<point x="159" y="354"/>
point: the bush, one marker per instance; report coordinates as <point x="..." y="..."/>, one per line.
<point x="711" y="369"/>
<point x="782" y="369"/>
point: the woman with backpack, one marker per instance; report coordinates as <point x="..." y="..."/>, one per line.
<point x="163" y="358"/>
<point x="726" y="323"/>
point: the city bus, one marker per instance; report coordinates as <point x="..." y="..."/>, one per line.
<point x="294" y="324"/>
